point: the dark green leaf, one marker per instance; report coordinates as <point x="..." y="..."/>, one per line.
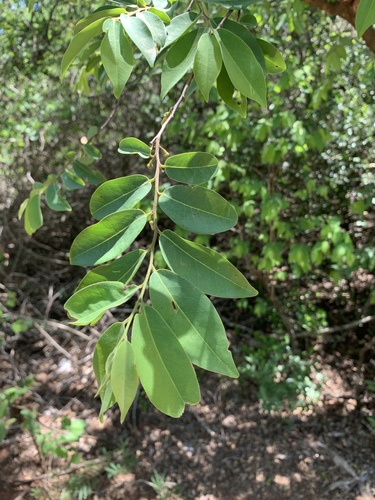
<point x="122" y="269"/>
<point x="119" y="194"/>
<point x="89" y="304"/>
<point x="86" y="172"/>
<point x="132" y="145"/>
<point x="92" y="152"/>
<point x="108" y="238"/>
<point x="55" y="201"/>
<point x="71" y="181"/>
<point x="226" y="91"/>
<point x="206" y="269"/>
<point x="198" y="209"/>
<point x="117" y="55"/>
<point x="192" y="168"/>
<point x="163" y="366"/>
<point x="179" y="60"/>
<point x="195" y="321"/>
<point x="232" y="4"/>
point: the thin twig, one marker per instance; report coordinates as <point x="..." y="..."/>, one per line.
<point x="48" y="337"/>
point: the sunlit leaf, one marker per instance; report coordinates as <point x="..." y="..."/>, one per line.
<point x="191" y="168"/>
<point x="206" y="269"/>
<point x="99" y="14"/>
<point x="195" y="321"/>
<point x="274" y="60"/>
<point x="155" y="25"/>
<point x="207" y="63"/>
<point x="132" y="145"/>
<point x="33" y="218"/>
<point x="141" y="36"/>
<point x="365" y="16"/>
<point x="55" y="201"/>
<point x="124" y="377"/>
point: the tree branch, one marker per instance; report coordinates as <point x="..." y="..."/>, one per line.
<point x="347" y="10"/>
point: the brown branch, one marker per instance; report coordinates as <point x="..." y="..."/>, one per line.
<point x="346" y="9"/>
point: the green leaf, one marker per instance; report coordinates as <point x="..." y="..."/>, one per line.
<point x="232" y="4"/>
<point x="92" y="151"/>
<point x="163" y="16"/>
<point x="141" y="35"/>
<point x="179" y="26"/>
<point x="365" y="16"/>
<point x="124" y="377"/>
<point x="164" y="368"/>
<point x="122" y="269"/>
<point x="119" y="194"/>
<point x="33" y="213"/>
<point x="155" y="25"/>
<point x="132" y="145"/>
<point x="274" y="60"/>
<point x="22" y="208"/>
<point x="84" y="171"/>
<point x="249" y="20"/>
<point x="195" y="321"/>
<point x="179" y="60"/>
<point x="226" y="91"/>
<point x="207" y="63"/>
<point x="71" y="181"/>
<point x="117" y="55"/>
<point x="78" y="43"/>
<point x="55" y="201"/>
<point x="90" y="303"/>
<point x="191" y="168"/>
<point x="99" y="14"/>
<point x="242" y="66"/>
<point x="108" y="238"/>
<point x="203" y="267"/>
<point x="198" y="209"/>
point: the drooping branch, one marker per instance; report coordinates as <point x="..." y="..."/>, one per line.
<point x="347" y="10"/>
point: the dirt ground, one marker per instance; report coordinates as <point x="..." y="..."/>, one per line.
<point x="225" y="448"/>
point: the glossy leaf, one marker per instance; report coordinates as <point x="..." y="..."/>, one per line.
<point x="163" y="16"/>
<point x="243" y="69"/>
<point x="122" y="269"/>
<point x="117" y="55"/>
<point x="179" y="60"/>
<point x="141" y="36"/>
<point x="155" y="25"/>
<point x="108" y="238"/>
<point x="203" y="267"/>
<point x="86" y="172"/>
<point x="191" y="168"/>
<point x="274" y="60"/>
<point x="207" y="63"/>
<point x="164" y="368"/>
<point x="78" y="43"/>
<point x="89" y="304"/>
<point x="118" y="194"/>
<point x="72" y="181"/>
<point x="198" y="209"/>
<point x="124" y="377"/>
<point x="33" y="213"/>
<point x="132" y="145"/>
<point x="365" y="16"/>
<point x="180" y="25"/>
<point x="98" y="14"/>
<point x="195" y="321"/>
<point x="226" y="91"/>
<point x="55" y="201"/>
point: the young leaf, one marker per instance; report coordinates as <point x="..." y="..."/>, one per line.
<point x="198" y="209"/>
<point x="90" y="303"/>
<point x="141" y="35"/>
<point x="274" y="60"/>
<point x="365" y="16"/>
<point x="203" y="267"/>
<point x="99" y="14"/>
<point x="132" y="145"/>
<point x="243" y="69"/>
<point x="108" y="238"/>
<point x="191" y="168"/>
<point x="155" y="25"/>
<point x="84" y="171"/>
<point x="226" y="91"/>
<point x="78" y="43"/>
<point x="207" y="63"/>
<point x="179" y="26"/>
<point x="164" y="368"/>
<point x="33" y="213"/>
<point x="122" y="269"/>
<point x="71" y="181"/>
<point x="195" y="321"/>
<point x="124" y="377"/>
<point x="117" y="55"/>
<point x="179" y="60"/>
<point x="118" y="194"/>
<point x="55" y="201"/>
